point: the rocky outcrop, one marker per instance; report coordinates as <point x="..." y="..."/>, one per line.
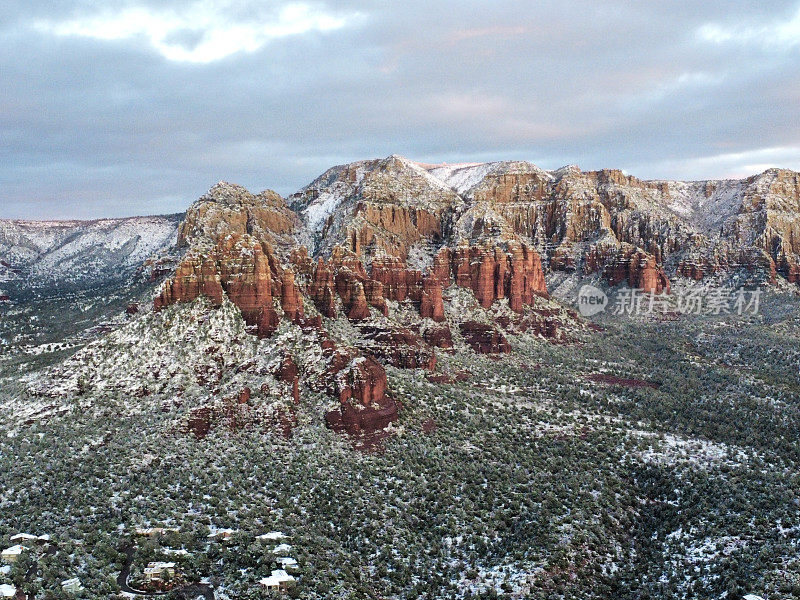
<point x="483" y="338"/>
<point x="351" y="290"/>
<point x="291" y="303"/>
<point x="289" y="372"/>
<point x="365" y="406"/>
<point x="237" y="413"/>
<point x="628" y="264"/>
<point x="398" y="347"/>
<point x="321" y="289"/>
<point x="431" y="303"/>
<point x="493" y="273"/>
<point x="229" y="209"/>
<point x="439" y="337"/>
<point x="543" y="322"/>
<point x="238" y="268"/>
<point x="247" y="280"/>
<point x="193" y="278"/>
<point x="373" y="290"/>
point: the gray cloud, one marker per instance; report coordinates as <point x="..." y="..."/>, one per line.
<point x="104" y="116"/>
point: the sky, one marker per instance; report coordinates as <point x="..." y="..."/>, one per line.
<point x="122" y="108"/>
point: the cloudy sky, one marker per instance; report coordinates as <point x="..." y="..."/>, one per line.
<point x="120" y="108"/>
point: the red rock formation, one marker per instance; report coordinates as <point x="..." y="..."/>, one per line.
<point x="536" y="322"/>
<point x="441" y="266"/>
<point x="236" y="414"/>
<point x="356" y="301"/>
<point x="693" y="270"/>
<point x="248" y="282"/>
<point x="288" y="372"/>
<point x="398" y="347"/>
<point x="399" y="283"/>
<point x="697" y="266"/>
<point x="651" y="277"/>
<point x="341" y="258"/>
<point x="267" y="322"/>
<point x="494" y="273"/>
<point x="193" y="278"/>
<point x="484" y="339"/>
<point x="439" y="337"/>
<point x="290" y="299"/>
<point x="240" y="269"/>
<point x="365" y="407"/>
<point x="432" y="305"/>
<point x="285" y="421"/>
<point x="321" y="289"/>
<point x="628" y="264"/>
<point x="244" y="396"/>
<point x="252" y="278"/>
<point x="375" y="298"/>
<point x="199" y="422"/>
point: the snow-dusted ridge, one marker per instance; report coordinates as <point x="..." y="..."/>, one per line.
<point x="50" y="252"/>
<point x="44" y="252"/>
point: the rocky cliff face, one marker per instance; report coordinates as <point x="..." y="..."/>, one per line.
<point x="641" y="231"/>
<point x="382" y="260"/>
<point x="386" y="245"/>
<point x="382" y="264"/>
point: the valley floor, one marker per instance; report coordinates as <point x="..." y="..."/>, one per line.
<point x="529" y="479"/>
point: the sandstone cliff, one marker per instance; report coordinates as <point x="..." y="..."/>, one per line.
<point x="387" y="245"/>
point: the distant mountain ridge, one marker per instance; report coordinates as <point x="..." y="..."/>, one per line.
<point x="42" y="254"/>
<point x="596" y="221"/>
<point x="386" y="262"/>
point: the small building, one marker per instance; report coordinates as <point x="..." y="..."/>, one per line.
<point x="280" y="580"/>
<point x="29" y="538"/>
<point x="282" y="549"/>
<point x="71" y="585"/>
<point x="752" y="597"/>
<point x="159" y="572"/>
<point x="272" y="536"/>
<point x="287" y="563"/>
<point x="7" y="591"/>
<point x="12" y="554"/>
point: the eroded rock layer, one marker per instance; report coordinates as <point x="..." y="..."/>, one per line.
<point x="271" y="277"/>
<point x="386" y="249"/>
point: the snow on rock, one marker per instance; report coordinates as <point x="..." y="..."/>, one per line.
<point x="705" y="204"/>
<point x="328" y="191"/>
<point x="463" y="176"/>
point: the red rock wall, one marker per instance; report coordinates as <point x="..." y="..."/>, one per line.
<point x="493" y="273"/>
